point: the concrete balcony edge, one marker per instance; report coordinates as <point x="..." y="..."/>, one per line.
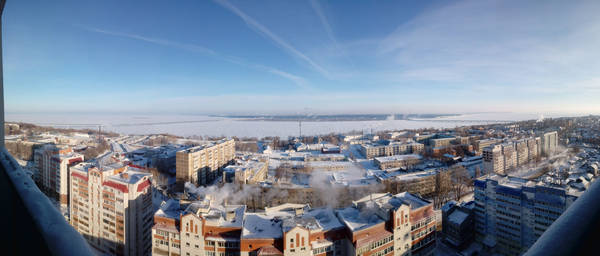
<point x="59" y="236"/>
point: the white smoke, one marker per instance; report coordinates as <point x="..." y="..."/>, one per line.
<point x="228" y="193"/>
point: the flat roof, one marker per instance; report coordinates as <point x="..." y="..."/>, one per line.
<point x="357" y="220"/>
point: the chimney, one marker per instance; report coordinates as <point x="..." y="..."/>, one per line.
<point x="230" y="215"/>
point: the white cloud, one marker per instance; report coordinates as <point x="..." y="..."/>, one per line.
<point x="255" y="25"/>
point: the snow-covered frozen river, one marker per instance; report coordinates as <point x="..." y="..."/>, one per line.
<point x="187" y="125"/>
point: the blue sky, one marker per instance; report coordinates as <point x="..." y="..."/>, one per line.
<point x="228" y="56"/>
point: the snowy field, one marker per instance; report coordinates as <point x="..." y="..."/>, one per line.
<point x="187" y="125"/>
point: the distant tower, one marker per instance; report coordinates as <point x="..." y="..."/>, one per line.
<point x="99" y="133"/>
<point x="300" y="127"/>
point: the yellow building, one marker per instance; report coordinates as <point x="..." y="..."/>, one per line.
<point x="201" y="164"/>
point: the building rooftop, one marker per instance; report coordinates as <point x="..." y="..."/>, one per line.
<point x="321" y="219"/>
<point x="357" y="220"/>
<point x="457" y="217"/>
<point x="201" y="147"/>
<point x="413" y="201"/>
<point x="398" y="158"/>
<point x="169" y="209"/>
<point x="130" y="175"/>
<point x="257" y="225"/>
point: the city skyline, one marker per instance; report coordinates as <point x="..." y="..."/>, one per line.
<point x="293" y="57"/>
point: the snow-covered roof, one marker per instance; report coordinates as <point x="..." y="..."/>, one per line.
<point x="170" y="209"/>
<point x="258" y="225"/>
<point x="413" y="201"/>
<point x="358" y="220"/>
<point x="218" y="216"/>
<point x="457" y="217"/>
<point x="129" y="176"/>
<point x="325" y="217"/>
<point x="399" y="158"/>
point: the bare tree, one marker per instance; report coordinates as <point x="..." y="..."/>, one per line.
<point x="460" y="181"/>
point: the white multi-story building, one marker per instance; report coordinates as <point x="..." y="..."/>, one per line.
<point x="510" y="156"/>
<point x="502" y="158"/>
<point x="533" y="151"/>
<point x="493" y="159"/>
<point x="394" y="148"/>
<point x="111" y="206"/>
<point x="52" y="174"/>
<point x="201" y="164"/>
<point x="512" y="213"/>
<point x="522" y="152"/>
<point x="549" y="143"/>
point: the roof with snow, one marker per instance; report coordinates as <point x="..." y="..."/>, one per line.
<point x="357" y="220"/>
<point x="399" y="158"/>
<point x="457" y="217"/>
<point x="258" y="225"/>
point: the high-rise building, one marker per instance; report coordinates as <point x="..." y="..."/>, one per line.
<point x="549" y="143"/>
<point x="510" y="156"/>
<point x="522" y="152"/>
<point x="111" y="206"/>
<point x="201" y="164"/>
<point x="502" y="158"/>
<point x="52" y="174"/>
<point x="511" y="213"/>
<point x="481" y="144"/>
<point x="532" y="149"/>
<point x="493" y="159"/>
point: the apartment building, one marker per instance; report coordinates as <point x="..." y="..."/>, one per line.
<point x="511" y="213"/>
<point x="387" y="224"/>
<point x="393" y="148"/>
<point x="111" y="206"/>
<point x="533" y="150"/>
<point x="367" y="233"/>
<point x="549" y="142"/>
<point x="398" y="161"/>
<point x="522" y="152"/>
<point x="379" y="224"/>
<point x="422" y="182"/>
<point x="52" y="176"/>
<point x="510" y="156"/>
<point x="502" y="158"/>
<point x="202" y="164"/>
<point x="207" y="229"/>
<point x="166" y="239"/>
<point x="493" y="159"/>
<point x="251" y="172"/>
<point x="458" y="224"/>
<point x="481" y="144"/>
<point x="441" y="142"/>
